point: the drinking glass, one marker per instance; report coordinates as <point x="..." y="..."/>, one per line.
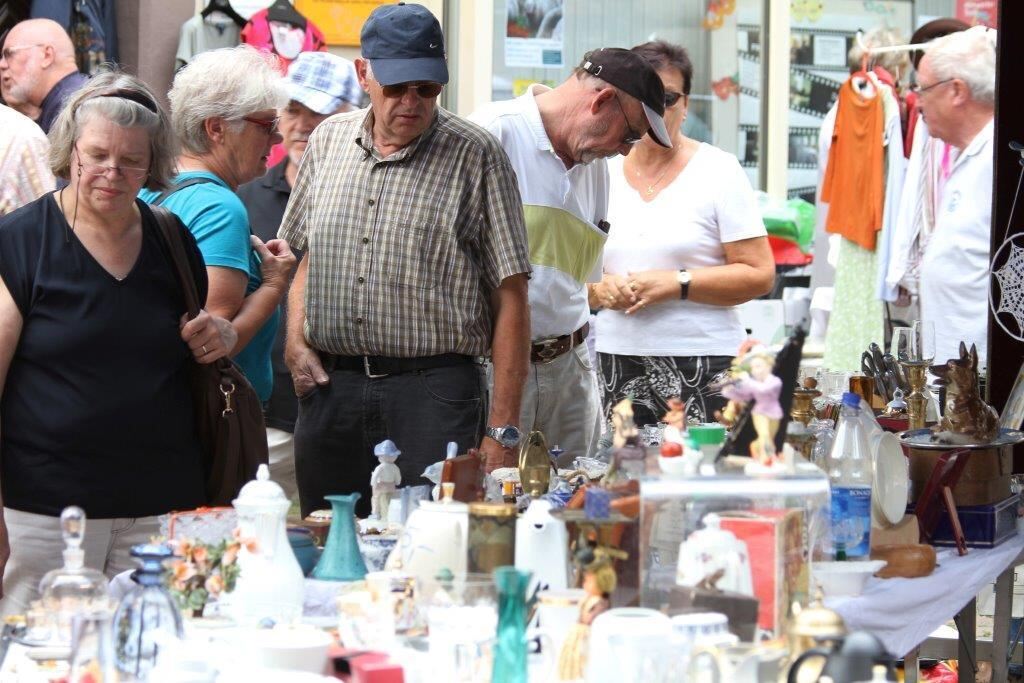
<point x="924" y="337"/>
<point x="903" y="346"/>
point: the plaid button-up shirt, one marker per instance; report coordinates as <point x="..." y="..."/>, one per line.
<point x="404" y="251"/>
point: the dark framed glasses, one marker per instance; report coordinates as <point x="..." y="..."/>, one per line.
<point x="269" y="126"/>
<point x="671" y="97"/>
<point x="424" y="90"/>
<point x="632" y="136"/>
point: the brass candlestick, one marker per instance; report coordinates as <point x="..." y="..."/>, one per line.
<point x="917" y="401"/>
<point x="803" y="401"/>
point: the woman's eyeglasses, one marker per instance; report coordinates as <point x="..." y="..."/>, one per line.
<point x="424" y="90"/>
<point x="269" y="127"/>
<point x="672" y="97"/>
<point x="91" y="167"/>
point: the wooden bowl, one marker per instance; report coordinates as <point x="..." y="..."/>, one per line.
<point x="906" y="561"/>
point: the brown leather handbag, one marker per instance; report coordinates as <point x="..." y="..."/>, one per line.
<point x="229" y="414"/>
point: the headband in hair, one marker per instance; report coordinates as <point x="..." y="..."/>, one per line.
<point x="132" y="95"/>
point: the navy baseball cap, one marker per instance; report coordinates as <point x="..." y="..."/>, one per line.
<point x="633" y="75"/>
<point x="404" y="43"/>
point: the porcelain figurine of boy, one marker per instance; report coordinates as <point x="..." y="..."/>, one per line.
<point x="758" y="385"/>
<point x="385" y="479"/>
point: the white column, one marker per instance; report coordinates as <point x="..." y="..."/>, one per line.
<point x="776" y="93"/>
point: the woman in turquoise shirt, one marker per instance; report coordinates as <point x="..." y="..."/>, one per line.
<point x="224" y="111"/>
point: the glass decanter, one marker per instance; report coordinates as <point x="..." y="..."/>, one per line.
<point x="73" y="589"/>
<point x="147" y="621"/>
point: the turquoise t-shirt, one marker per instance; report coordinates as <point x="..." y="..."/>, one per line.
<point x="220" y="224"/>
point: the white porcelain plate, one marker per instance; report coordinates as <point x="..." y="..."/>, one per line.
<point x="892" y="478"/>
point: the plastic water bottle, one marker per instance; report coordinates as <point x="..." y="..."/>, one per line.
<point x="849" y="470"/>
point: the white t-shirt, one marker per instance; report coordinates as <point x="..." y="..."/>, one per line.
<point x="954" y="269"/>
<point x="709" y="203"/>
<point x="562" y="209"/>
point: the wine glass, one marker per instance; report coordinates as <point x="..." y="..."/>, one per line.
<point x="903" y="345"/>
<point x="924" y="339"/>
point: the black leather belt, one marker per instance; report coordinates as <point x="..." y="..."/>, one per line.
<point x="382" y="366"/>
<point x="546" y="350"/>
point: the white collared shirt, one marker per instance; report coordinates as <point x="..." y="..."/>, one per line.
<point x="955" y="267"/>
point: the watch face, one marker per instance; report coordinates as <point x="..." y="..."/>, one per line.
<point x="507" y="436"/>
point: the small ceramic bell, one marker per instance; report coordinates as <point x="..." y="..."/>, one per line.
<point x="270" y="582"/>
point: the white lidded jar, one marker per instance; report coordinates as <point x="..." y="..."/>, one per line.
<point x="270" y="582"/>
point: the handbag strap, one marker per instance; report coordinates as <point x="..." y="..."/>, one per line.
<point x="170" y="229"/>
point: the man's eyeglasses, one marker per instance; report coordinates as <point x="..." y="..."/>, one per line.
<point x="632" y="136"/>
<point x="269" y="127"/>
<point x="424" y="90"/>
<point x="89" y="166"/>
<point x="8" y="52"/>
<point x="672" y="97"/>
<point x="918" y="89"/>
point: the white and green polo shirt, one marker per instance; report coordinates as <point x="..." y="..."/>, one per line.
<point x="562" y="210"/>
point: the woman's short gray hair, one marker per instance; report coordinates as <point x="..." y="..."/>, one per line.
<point x="117" y="98"/>
<point x="228" y="83"/>
<point x="969" y="56"/>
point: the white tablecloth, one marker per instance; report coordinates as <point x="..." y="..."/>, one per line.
<point x="904" y="612"/>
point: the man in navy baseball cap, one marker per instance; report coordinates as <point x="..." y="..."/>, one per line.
<point x="404" y="44"/>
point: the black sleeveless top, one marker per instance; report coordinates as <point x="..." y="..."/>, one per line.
<point x="96" y="409"/>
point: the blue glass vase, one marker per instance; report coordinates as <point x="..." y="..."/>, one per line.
<point x="510" y="648"/>
<point x="341" y="559"/>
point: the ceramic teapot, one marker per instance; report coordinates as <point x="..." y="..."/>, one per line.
<point x="270" y="582"/>
<point x="851" y="660"/>
<point x="711" y="550"/>
<point x="433" y="538"/>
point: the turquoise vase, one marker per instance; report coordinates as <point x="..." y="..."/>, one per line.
<point x="510" y="648"/>
<point x="341" y="559"/>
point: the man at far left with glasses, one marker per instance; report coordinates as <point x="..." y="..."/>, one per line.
<point x="416" y="267"/>
<point x="38" y="71"/>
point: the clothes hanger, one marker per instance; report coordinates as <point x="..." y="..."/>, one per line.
<point x="224" y="7"/>
<point x="285" y="12"/>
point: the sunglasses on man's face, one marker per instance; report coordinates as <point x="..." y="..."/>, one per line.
<point x="424" y="90"/>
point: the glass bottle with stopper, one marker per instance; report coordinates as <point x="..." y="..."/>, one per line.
<point x="147" y="623"/>
<point x="73" y="589"/>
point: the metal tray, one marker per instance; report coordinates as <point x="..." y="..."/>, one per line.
<point x="921" y="438"/>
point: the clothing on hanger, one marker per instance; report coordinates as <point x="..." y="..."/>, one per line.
<point x="92" y="25"/>
<point x="200" y="34"/>
<point x="854" y="185"/>
<point x="285" y="39"/>
<point x="895" y="174"/>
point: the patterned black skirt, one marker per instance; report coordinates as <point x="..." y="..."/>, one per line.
<point x="652" y="380"/>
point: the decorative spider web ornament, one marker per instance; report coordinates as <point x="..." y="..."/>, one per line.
<point x="1006" y="296"/>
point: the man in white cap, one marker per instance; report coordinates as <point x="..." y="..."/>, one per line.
<point x="319" y="84"/>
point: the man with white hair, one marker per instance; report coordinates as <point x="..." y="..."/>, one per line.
<point x="38" y="71"/>
<point x="956" y="87"/>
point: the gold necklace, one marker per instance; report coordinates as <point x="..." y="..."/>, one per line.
<point x="651" y="186"/>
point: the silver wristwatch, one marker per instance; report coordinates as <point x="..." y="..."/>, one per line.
<point x="508" y="436"/>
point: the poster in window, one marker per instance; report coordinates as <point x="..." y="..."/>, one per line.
<point x="340" y="20"/>
<point x="533" y="33"/>
<point x="974" y="12"/>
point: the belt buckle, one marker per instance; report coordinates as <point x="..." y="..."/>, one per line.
<point x="366" y="369"/>
<point x="548" y="351"/>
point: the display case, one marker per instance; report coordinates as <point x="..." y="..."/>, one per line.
<point x="782" y="520"/>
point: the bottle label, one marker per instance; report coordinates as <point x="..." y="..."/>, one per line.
<point x="851" y="519"/>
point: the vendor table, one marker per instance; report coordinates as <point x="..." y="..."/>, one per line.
<point x="904" y="612"/>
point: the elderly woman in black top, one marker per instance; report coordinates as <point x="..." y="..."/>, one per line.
<point x="94" y="347"/>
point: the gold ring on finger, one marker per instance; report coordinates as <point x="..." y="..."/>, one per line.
<point x="204" y="350"/>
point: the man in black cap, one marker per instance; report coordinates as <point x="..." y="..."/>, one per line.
<point x="416" y="267"/>
<point x="557" y="139"/>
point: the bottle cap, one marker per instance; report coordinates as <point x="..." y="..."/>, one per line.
<point x="851" y="399"/>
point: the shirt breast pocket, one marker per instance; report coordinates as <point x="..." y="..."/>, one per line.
<point x="419" y="257"/>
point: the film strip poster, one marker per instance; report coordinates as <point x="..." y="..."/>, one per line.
<point x="810" y="93"/>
